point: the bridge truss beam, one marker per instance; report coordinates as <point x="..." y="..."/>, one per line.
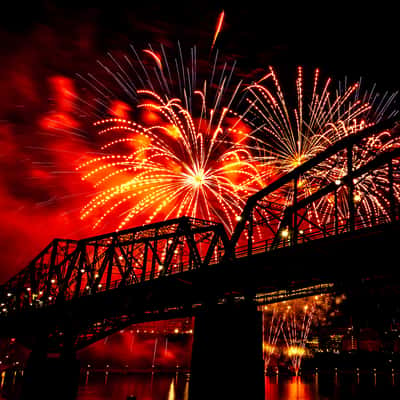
<point x="68" y="269"/>
<point x="333" y="205"/>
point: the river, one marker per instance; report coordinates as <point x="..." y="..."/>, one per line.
<point x="324" y="386"/>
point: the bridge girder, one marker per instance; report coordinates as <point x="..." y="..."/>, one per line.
<point x="267" y="223"/>
<point x="68" y="269"/>
<point x="101" y="284"/>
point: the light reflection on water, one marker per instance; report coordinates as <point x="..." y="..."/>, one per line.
<point x="289" y="389"/>
<point x="171" y="392"/>
<point x="143" y="386"/>
<point x="176" y="387"/>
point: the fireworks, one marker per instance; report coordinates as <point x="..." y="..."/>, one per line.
<point x="295" y="330"/>
<point x="271" y="334"/>
<point x="218" y="28"/>
<point x="292" y="322"/>
<point x="183" y="155"/>
<point x="200" y="143"/>
<point x="293" y="135"/>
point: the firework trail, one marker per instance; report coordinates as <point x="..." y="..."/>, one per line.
<point x="293" y="321"/>
<point x="218" y="28"/>
<point x="183" y="153"/>
<point x="295" y="330"/>
<point x="271" y="334"/>
<point x="292" y="135"/>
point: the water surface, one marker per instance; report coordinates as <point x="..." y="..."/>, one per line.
<point x="328" y="386"/>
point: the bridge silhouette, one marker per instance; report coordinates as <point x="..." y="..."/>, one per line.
<point x="76" y="292"/>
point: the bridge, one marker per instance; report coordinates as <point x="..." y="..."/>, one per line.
<point x="76" y="292"/>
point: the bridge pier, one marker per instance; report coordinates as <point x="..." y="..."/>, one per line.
<point x="51" y="375"/>
<point x="227" y="361"/>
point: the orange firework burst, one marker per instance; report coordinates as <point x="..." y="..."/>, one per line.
<point x="191" y="146"/>
<point x="174" y="159"/>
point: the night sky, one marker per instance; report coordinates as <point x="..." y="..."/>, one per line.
<point x="45" y="44"/>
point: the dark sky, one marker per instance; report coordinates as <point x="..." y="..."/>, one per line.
<point x="43" y="44"/>
<point x="342" y="37"/>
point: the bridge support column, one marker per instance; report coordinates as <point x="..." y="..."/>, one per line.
<point x="50" y="376"/>
<point x="227" y="360"/>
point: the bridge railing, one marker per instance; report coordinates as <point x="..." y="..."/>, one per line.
<point x="331" y="229"/>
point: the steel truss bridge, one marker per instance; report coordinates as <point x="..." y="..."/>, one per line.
<point x="76" y="292"/>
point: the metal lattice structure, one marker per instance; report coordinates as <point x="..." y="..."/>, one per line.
<point x="37" y="282"/>
<point x="87" y="289"/>
<point x="267" y="224"/>
<point x="68" y="269"/>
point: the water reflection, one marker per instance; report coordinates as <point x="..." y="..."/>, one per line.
<point x="186" y="392"/>
<point x="3" y="375"/>
<point x="171" y="392"/>
<point x="331" y="385"/>
<point x="144" y="386"/>
<point x="290" y="389"/>
<point x="318" y="386"/>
